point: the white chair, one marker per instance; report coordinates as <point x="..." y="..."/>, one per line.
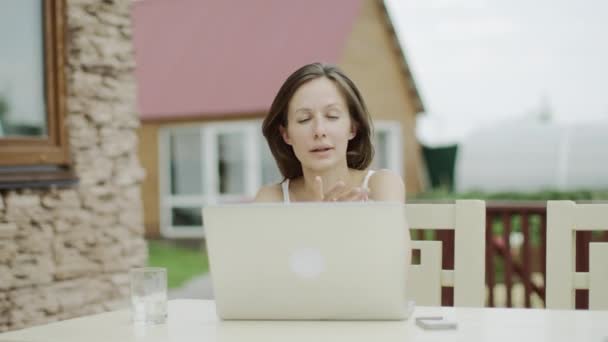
<point x="564" y="218"/>
<point x="467" y="218"/>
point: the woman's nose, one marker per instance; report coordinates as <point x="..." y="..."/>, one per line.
<point x="319" y="128"/>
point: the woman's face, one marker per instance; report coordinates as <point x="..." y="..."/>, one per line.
<point x="318" y="125"/>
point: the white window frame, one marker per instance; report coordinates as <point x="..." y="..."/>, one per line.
<point x="394" y="142"/>
<point x="209" y="133"/>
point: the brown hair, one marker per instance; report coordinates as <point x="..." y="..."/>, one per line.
<point x="359" y="152"/>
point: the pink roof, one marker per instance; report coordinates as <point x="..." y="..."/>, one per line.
<point x="210" y="57"/>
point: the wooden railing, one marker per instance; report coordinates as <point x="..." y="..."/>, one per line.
<point x="515" y="253"/>
<point x="515" y="248"/>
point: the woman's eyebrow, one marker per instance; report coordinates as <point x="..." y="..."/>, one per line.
<point x="303" y="109"/>
<point x="336" y="105"/>
<point x="308" y="110"/>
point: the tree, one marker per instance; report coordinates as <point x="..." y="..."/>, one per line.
<point x="4" y="107"/>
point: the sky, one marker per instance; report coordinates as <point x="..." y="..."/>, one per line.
<point x="478" y="63"/>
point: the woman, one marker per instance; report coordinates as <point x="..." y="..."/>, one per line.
<point x="319" y="131"/>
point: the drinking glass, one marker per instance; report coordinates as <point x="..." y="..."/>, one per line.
<point x="149" y="295"/>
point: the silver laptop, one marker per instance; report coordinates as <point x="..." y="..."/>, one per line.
<point x="314" y="261"/>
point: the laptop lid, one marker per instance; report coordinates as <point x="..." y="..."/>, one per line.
<point x="341" y="261"/>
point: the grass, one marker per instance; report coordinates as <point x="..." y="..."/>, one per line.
<point x="182" y="263"/>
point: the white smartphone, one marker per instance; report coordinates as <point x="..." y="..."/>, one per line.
<point x="435" y="323"/>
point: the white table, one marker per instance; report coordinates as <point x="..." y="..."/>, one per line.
<point x="195" y="320"/>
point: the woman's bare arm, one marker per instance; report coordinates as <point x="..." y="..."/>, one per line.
<point x="386" y="185"/>
<point x="269" y="193"/>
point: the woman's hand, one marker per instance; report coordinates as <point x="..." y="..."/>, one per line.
<point x="338" y="193"/>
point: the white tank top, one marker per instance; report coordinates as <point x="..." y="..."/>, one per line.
<point x="285" y="185"/>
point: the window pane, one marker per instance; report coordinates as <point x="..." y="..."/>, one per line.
<point x="22" y="95"/>
<point x="185" y="162"/>
<point x="187" y="217"/>
<point x="270" y="171"/>
<point x="381" y="150"/>
<point x="231" y="163"/>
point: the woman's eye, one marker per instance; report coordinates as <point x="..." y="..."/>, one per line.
<point x="303" y="120"/>
<point x="333" y="116"/>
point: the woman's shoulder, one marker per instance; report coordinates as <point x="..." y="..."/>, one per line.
<point x="386" y="185"/>
<point x="384" y="174"/>
<point x="270" y="193"/>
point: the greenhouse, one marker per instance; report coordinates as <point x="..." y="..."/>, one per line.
<point x="522" y="156"/>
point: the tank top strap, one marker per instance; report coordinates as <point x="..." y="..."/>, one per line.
<point x="366" y="179"/>
<point x="285" y="188"/>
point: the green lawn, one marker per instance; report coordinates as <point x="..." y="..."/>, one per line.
<point x="182" y="263"/>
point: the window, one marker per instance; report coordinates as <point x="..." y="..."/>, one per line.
<point x="208" y="164"/>
<point x="388" y="146"/>
<point x="33" y="141"/>
<point x="226" y="163"/>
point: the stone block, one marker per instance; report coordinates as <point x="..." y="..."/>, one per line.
<point x="99" y="290"/>
<point x="107" y="253"/>
<point x="132" y="220"/>
<point x="70" y="263"/>
<point x="31" y="306"/>
<point x="6" y="281"/>
<point x="16" y="201"/>
<point x="82" y="239"/>
<point x="67" y="198"/>
<point x="120" y="279"/>
<point x="128" y="171"/>
<point x="24" y="208"/>
<point x="5" y="307"/>
<point x="86" y="84"/>
<point x="8" y="251"/>
<point x="31" y="270"/>
<point x="93" y="168"/>
<point x="62" y="226"/>
<point x="73" y="216"/>
<point x="104" y="221"/>
<point x="109" y="18"/>
<point x="77" y="16"/>
<point x="82" y="133"/>
<point x="40" y="229"/>
<point x="116" y="142"/>
<point x="102" y="113"/>
<point x="34" y="244"/>
<point x="8" y="230"/>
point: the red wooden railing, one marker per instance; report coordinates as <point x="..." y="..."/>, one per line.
<point x="532" y="255"/>
<point x="529" y="219"/>
<point x="516" y="264"/>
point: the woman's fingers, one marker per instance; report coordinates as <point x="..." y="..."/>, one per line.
<point x="355" y="194"/>
<point x="334" y="193"/>
<point x="338" y="192"/>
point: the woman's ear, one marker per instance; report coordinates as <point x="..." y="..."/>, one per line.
<point x="353" y="131"/>
<point x="284" y="134"/>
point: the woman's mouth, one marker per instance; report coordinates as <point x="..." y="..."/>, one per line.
<point x="321" y="149"/>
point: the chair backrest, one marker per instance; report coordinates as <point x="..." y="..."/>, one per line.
<point x="467" y="219"/>
<point x="564" y="218"/>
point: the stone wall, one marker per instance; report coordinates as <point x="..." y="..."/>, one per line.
<point x="66" y="252"/>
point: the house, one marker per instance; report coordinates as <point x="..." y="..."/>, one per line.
<point x="207" y="72"/>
